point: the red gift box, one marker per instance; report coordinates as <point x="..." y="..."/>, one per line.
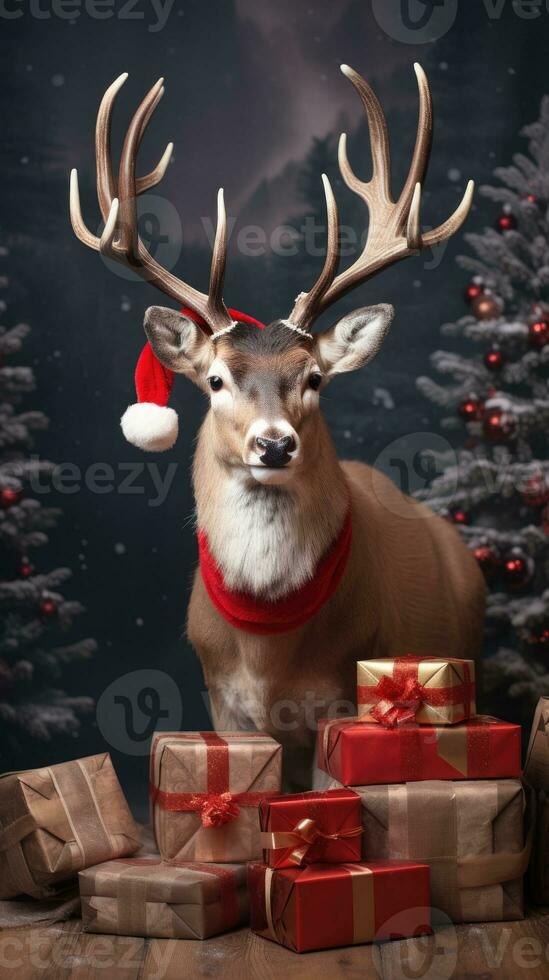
<point x="311" y="828"/>
<point x="327" y="905"/>
<point x="358" y="753"/>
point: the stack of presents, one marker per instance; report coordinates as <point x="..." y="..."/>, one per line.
<point x="425" y="819"/>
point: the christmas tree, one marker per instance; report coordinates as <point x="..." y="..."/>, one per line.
<point x="496" y="488"/>
<point x="33" y="611"/>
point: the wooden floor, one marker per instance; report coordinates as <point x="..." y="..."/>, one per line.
<point x="61" y="950"/>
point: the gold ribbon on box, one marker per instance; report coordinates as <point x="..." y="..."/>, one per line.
<point x="482" y="870"/>
<point x="301" y="838"/>
<point x="423" y="826"/>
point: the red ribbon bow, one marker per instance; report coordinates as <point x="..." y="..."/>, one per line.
<point x="215" y="810"/>
<point x="399" y="700"/>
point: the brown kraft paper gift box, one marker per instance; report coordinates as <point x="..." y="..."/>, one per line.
<point x="536" y="773"/>
<point x="147" y="897"/>
<point x="471" y="833"/>
<point x="205" y="791"/>
<point x="58" y="820"/>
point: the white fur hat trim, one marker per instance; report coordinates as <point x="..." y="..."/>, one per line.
<point x="151" y="427"/>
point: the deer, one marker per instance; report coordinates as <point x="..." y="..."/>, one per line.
<point x="307" y="563"/>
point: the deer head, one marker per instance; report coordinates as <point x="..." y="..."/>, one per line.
<point x="264" y="385"/>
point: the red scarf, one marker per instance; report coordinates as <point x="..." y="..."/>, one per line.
<point x="253" y="615"/>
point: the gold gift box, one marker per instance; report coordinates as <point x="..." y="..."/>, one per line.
<point x="435" y="675"/>
<point x="57" y="820"/>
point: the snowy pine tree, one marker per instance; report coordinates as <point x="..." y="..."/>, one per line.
<point x="33" y="611"/>
<point x="498" y="493"/>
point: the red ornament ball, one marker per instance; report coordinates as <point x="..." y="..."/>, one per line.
<point x="9" y="496"/>
<point x="538" y="334"/>
<point x="499" y="426"/>
<point x="471" y="410"/>
<point x="531" y="199"/>
<point x="48" y="608"/>
<point x="486" y="307"/>
<point x="506" y="222"/>
<point x="25" y="569"/>
<point x="460" y="516"/>
<point x="535" y="491"/>
<point x="488" y="560"/>
<point x="473" y="291"/>
<point x="540" y="637"/>
<point x="517" y="570"/>
<point x="494" y="360"/>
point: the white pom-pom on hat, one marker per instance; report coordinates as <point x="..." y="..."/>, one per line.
<point x="150" y="424"/>
<point x="151" y="427"/>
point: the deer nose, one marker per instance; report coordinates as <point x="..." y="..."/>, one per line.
<point x="275" y="452"/>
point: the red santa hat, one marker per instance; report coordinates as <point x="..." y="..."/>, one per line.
<point x="150" y="423"/>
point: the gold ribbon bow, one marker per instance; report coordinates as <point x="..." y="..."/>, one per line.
<point x="301" y="838"/>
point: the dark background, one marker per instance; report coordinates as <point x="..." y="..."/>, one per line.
<point x="254" y="103"/>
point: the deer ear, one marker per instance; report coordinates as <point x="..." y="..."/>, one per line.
<point x="354" y="340"/>
<point x="177" y="341"/>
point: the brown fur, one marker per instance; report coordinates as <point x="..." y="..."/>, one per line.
<point x="411" y="585"/>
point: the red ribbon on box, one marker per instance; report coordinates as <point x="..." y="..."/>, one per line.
<point x="398" y="698"/>
<point x="217" y="805"/>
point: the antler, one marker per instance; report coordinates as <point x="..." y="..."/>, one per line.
<point x="118" y="203"/>
<point x="394" y="230"/>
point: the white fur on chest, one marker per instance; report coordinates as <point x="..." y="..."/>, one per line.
<point x="258" y="541"/>
<point x="245" y="701"/>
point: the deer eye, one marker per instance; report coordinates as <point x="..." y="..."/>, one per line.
<point x="215" y="382"/>
<point x="315" y="381"/>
